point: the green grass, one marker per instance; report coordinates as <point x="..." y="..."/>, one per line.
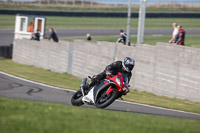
<point x="37" y="74"/>
<point x="172" y="103"/>
<point x="18" y="116"/>
<point x="135" y="8"/>
<point x="190" y="40"/>
<point x="71" y="82"/>
<point x="8" y="22"/>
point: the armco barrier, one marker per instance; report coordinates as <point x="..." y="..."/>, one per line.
<point x="100" y="14"/>
<point x="166" y="70"/>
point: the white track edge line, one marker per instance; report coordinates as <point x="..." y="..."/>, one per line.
<point x="162" y="108"/>
<point x="34" y="82"/>
<point x="16" y="77"/>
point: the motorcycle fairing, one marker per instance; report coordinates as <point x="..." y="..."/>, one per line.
<point x="92" y="95"/>
<point x="99" y="88"/>
<point x="89" y="98"/>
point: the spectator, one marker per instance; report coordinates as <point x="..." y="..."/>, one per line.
<point x="180" y="36"/>
<point x="30" y="27"/>
<point x="174" y="33"/>
<point x="123" y="38"/>
<point x="53" y="35"/>
<point x="89" y="38"/>
<point x="36" y="36"/>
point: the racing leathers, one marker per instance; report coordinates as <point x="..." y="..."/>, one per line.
<point x="180" y="37"/>
<point x="110" y="70"/>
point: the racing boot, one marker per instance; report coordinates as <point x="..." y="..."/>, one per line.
<point x="84" y="87"/>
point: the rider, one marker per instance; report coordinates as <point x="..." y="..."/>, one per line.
<point x="125" y="66"/>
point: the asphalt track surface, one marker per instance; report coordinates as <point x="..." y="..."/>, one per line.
<point x="15" y="87"/>
<point x="7" y="35"/>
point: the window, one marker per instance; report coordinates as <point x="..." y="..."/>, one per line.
<point x="23" y="25"/>
<point x="31" y="22"/>
<point x="39" y="24"/>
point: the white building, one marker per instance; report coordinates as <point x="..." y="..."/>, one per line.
<point x="26" y="25"/>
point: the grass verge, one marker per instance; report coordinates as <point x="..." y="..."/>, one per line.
<point x="190" y="40"/>
<point x="8" y="22"/>
<point x="18" y="116"/>
<point x="62" y="80"/>
<point x="173" y="7"/>
<point x="71" y="82"/>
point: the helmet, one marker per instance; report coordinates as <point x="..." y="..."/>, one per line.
<point x="128" y="64"/>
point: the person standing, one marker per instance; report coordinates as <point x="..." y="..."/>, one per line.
<point x="53" y="35"/>
<point x="174" y="33"/>
<point x="181" y="36"/>
<point x="123" y="38"/>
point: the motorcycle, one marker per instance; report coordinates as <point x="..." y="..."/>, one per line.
<point x="103" y="93"/>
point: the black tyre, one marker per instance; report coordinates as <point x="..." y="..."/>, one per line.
<point x="76" y="99"/>
<point x="106" y="100"/>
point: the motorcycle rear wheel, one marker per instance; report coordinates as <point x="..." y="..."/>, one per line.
<point x="76" y="99"/>
<point x="106" y="100"/>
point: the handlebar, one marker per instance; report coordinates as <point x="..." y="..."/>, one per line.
<point x="126" y="89"/>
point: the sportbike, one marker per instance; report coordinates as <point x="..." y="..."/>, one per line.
<point x="103" y="93"/>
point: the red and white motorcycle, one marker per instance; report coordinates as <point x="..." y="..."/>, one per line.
<point x="104" y="92"/>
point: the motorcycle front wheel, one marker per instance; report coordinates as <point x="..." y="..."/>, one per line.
<point x="76" y="99"/>
<point x="106" y="100"/>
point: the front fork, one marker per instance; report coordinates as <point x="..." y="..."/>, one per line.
<point x="111" y="89"/>
<point x="83" y="84"/>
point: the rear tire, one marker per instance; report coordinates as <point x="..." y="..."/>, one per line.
<point x="106" y="100"/>
<point x="76" y="99"/>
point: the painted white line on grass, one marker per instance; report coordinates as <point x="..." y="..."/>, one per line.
<point x="133" y="103"/>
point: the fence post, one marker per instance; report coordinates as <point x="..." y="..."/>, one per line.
<point x="128" y="22"/>
<point x="91" y="3"/>
<point x="82" y="3"/>
<point x="141" y="21"/>
<point x="115" y="52"/>
<point x="70" y="57"/>
<point x="74" y="3"/>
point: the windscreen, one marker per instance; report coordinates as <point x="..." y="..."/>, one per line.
<point x="125" y="78"/>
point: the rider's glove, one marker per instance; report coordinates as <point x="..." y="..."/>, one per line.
<point x="126" y="90"/>
<point x="94" y="80"/>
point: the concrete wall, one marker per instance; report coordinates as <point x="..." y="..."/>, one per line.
<point x="44" y="54"/>
<point x="91" y="58"/>
<point x="163" y="69"/>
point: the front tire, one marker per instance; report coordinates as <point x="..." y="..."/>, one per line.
<point x="106" y="100"/>
<point x="76" y="99"/>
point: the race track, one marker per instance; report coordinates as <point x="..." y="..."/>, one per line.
<point x="6" y="36"/>
<point x="15" y="87"/>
